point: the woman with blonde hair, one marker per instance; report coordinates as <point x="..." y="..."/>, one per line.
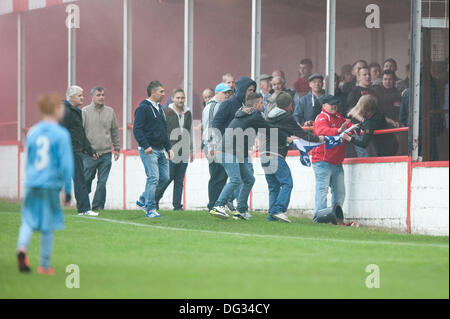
<point x="371" y="118"/>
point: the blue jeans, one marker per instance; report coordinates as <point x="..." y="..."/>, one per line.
<point x="280" y="186"/>
<point x="240" y="175"/>
<point x="176" y="174"/>
<point x="328" y="175"/>
<point x="157" y="171"/>
<point x="102" y="165"/>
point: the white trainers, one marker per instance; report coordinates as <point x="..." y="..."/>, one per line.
<point x="219" y="211"/>
<point x="281" y="216"/>
<point x="88" y="213"/>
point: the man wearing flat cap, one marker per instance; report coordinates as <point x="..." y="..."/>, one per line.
<point x="308" y="106"/>
<point x="265" y="86"/>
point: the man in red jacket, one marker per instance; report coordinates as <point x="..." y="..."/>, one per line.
<point x="327" y="164"/>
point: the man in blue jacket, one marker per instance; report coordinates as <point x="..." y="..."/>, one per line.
<point x="150" y="131"/>
<point x="308" y="106"/>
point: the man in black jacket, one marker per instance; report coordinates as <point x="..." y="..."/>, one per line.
<point x="228" y="108"/>
<point x="239" y="135"/>
<point x="277" y="172"/>
<point x="225" y="114"/>
<point x="73" y="122"/>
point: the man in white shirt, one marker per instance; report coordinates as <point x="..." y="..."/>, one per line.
<point x="210" y="137"/>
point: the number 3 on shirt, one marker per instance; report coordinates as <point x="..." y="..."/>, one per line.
<point x="42" y="160"/>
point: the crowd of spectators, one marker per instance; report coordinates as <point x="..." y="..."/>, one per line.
<point x="371" y="95"/>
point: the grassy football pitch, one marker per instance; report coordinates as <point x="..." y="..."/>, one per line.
<point x="121" y="254"/>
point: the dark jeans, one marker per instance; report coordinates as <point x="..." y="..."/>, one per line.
<point x="79" y="184"/>
<point x="217" y="180"/>
<point x="101" y="167"/>
<point x="176" y="174"/>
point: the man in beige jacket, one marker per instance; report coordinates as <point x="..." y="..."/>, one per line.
<point x="100" y="125"/>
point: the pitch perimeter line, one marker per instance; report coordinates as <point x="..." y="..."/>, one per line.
<point x="363" y="242"/>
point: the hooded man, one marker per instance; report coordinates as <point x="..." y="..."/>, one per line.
<point x="239" y="135"/>
<point x="227" y="110"/>
<point x="225" y="114"/>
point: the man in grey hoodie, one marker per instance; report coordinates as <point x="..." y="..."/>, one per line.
<point x="277" y="172"/>
<point x="239" y="136"/>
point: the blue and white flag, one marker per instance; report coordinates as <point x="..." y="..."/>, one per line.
<point x="330" y="142"/>
<point x="304" y="147"/>
<point x="333" y="141"/>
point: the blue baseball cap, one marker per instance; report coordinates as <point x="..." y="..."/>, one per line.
<point x="222" y="87"/>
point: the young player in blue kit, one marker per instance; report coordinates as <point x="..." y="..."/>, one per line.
<point x="49" y="168"/>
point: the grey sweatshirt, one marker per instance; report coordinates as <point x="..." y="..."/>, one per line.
<point x="100" y="125"/>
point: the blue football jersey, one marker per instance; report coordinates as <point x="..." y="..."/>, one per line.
<point x="49" y="157"/>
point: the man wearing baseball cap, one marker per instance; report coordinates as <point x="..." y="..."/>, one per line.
<point x="218" y="176"/>
<point x="327" y="163"/>
<point x="308" y="106"/>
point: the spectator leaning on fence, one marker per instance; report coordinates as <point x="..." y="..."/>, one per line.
<point x="179" y="127"/>
<point x="73" y="121"/>
<point x="150" y="131"/>
<point x="362" y="87"/>
<point x="100" y="126"/>
<point x="371" y="118"/>
<point x="389" y="98"/>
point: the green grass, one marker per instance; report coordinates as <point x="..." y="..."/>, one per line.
<point x="193" y="255"/>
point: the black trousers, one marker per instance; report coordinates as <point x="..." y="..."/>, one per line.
<point x="79" y="183"/>
<point x="217" y="180"/>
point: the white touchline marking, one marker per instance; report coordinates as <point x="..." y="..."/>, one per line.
<point x="265" y="235"/>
